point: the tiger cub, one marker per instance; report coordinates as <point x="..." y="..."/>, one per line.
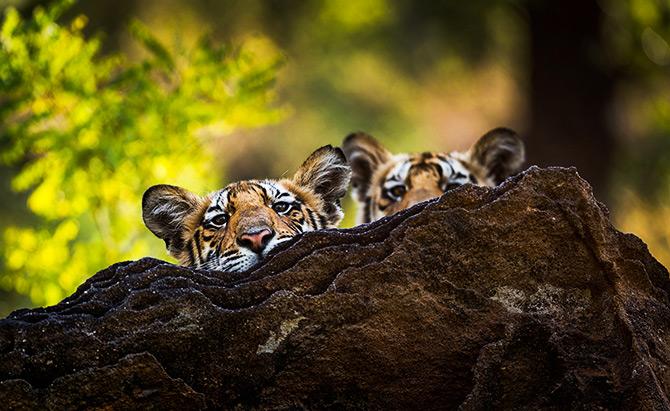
<point x="234" y="228"/>
<point x="385" y="183"/>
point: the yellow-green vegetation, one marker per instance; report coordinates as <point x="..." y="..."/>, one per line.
<point x="87" y="133"/>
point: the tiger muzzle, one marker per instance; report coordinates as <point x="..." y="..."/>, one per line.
<point x="256" y="239"/>
<point x="254" y="230"/>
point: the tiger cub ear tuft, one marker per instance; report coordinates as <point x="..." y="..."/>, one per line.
<point x="164" y="211"/>
<point x="500" y="152"/>
<point x="365" y="155"/>
<point x="327" y="174"/>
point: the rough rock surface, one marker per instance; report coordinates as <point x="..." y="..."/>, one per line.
<point x="522" y="296"/>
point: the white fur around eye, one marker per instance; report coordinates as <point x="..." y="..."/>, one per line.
<point x="281" y="207"/>
<point x="454" y="172"/>
<point x="217" y="207"/>
<point x="398" y="174"/>
<point x="447" y="168"/>
<point x="458" y="167"/>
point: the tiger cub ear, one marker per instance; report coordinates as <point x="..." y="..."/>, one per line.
<point x="164" y="211"/>
<point x="365" y="155"/>
<point x="327" y="174"/>
<point x="500" y="152"/>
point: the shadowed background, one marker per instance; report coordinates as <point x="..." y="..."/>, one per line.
<point x="584" y="82"/>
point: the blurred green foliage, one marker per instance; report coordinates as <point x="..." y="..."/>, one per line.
<point x="87" y="133"/>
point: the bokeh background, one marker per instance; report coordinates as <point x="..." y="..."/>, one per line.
<point x="101" y="99"/>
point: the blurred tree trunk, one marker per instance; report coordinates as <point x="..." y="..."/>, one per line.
<point x="570" y="90"/>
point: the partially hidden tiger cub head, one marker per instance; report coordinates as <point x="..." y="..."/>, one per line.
<point x="385" y="183"/>
<point x="234" y="228"/>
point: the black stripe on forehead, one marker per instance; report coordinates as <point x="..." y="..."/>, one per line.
<point x="394" y="177"/>
<point x="264" y="191"/>
<point x="425" y="167"/>
<point x="394" y="173"/>
<point x="444" y="165"/>
<point x="440" y="171"/>
<point x="422" y="158"/>
<point x="427" y="155"/>
<point x="219" y="201"/>
<point x="249" y="186"/>
<point x="242" y="187"/>
<point x="426" y="161"/>
<point x="274" y="190"/>
<point x="220" y="197"/>
<point x="233" y="189"/>
<point x="260" y="189"/>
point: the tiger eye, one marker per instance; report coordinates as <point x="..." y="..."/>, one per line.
<point x="397" y="191"/>
<point x="220" y="219"/>
<point x="281" y="207"/>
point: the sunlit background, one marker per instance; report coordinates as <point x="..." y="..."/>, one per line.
<point x="101" y="99"/>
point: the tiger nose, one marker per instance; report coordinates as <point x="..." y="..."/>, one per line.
<point x="255" y="239"/>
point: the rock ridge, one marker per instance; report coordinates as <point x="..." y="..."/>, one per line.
<point x="523" y="296"/>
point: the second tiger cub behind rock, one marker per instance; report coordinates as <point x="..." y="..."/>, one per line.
<point x="385" y="183"/>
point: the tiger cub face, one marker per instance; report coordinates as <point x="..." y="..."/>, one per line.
<point x="234" y="228"/>
<point x="384" y="183"/>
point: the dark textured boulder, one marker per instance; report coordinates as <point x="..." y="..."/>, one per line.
<point x="522" y="296"/>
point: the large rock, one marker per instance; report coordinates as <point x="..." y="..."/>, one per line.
<point x="522" y="296"/>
